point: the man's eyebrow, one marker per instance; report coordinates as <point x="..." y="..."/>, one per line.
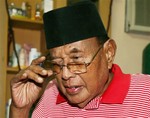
<point x="51" y="57"/>
<point x="48" y="56"/>
<point x="75" y="50"/>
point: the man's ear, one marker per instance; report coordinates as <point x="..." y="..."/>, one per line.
<point x="110" y="50"/>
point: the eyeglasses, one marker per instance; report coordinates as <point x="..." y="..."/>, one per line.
<point x="76" y="68"/>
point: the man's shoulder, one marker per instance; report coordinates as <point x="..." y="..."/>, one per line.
<point x="141" y="81"/>
<point x="139" y="89"/>
<point x="140" y="77"/>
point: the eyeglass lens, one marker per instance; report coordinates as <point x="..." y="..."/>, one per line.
<point x="74" y="68"/>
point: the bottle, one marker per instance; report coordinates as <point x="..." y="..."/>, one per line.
<point x="24" y="8"/>
<point x="38" y="12"/>
<point x="10" y="8"/>
<point x="22" y="58"/>
<point x="8" y="108"/>
<point x="28" y="11"/>
<point x="33" y="54"/>
<point x="14" y="58"/>
<point x="42" y="7"/>
<point x="13" y="9"/>
<point x="48" y="5"/>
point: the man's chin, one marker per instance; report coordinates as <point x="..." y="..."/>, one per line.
<point x="77" y="102"/>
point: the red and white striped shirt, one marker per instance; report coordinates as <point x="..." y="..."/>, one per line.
<point x="127" y="96"/>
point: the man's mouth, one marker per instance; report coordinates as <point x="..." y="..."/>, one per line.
<point x="72" y="90"/>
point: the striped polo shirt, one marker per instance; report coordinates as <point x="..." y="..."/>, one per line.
<point x="127" y="96"/>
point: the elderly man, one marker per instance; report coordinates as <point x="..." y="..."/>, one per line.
<point x="78" y="78"/>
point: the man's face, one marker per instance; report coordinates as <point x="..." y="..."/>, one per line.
<point x="82" y="87"/>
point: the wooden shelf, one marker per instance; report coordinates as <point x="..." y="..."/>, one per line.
<point x="26" y="30"/>
<point x="12" y="69"/>
<point x="23" y="22"/>
<point x="25" y="19"/>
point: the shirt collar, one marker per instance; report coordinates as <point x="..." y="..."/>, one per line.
<point x="118" y="88"/>
<point x="115" y="93"/>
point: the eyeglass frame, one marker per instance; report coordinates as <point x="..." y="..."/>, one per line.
<point x="86" y="64"/>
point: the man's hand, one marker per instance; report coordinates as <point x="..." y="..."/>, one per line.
<point x="27" y="86"/>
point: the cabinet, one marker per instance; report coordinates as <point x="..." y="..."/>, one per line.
<point x="27" y="30"/>
<point x="3" y="50"/>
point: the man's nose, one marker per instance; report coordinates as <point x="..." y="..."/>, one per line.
<point x="66" y="74"/>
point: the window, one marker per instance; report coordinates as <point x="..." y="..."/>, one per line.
<point x="137" y="16"/>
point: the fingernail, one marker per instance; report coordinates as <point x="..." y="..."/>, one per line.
<point x="24" y="74"/>
<point x="40" y="79"/>
<point x="49" y="72"/>
<point x="44" y="72"/>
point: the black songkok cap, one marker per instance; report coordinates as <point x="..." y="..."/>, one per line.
<point x="73" y="23"/>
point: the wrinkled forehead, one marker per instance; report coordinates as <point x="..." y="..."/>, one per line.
<point x="82" y="46"/>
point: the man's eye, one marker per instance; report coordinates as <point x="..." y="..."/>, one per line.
<point x="58" y="62"/>
<point x="55" y="64"/>
<point x="76" y="57"/>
